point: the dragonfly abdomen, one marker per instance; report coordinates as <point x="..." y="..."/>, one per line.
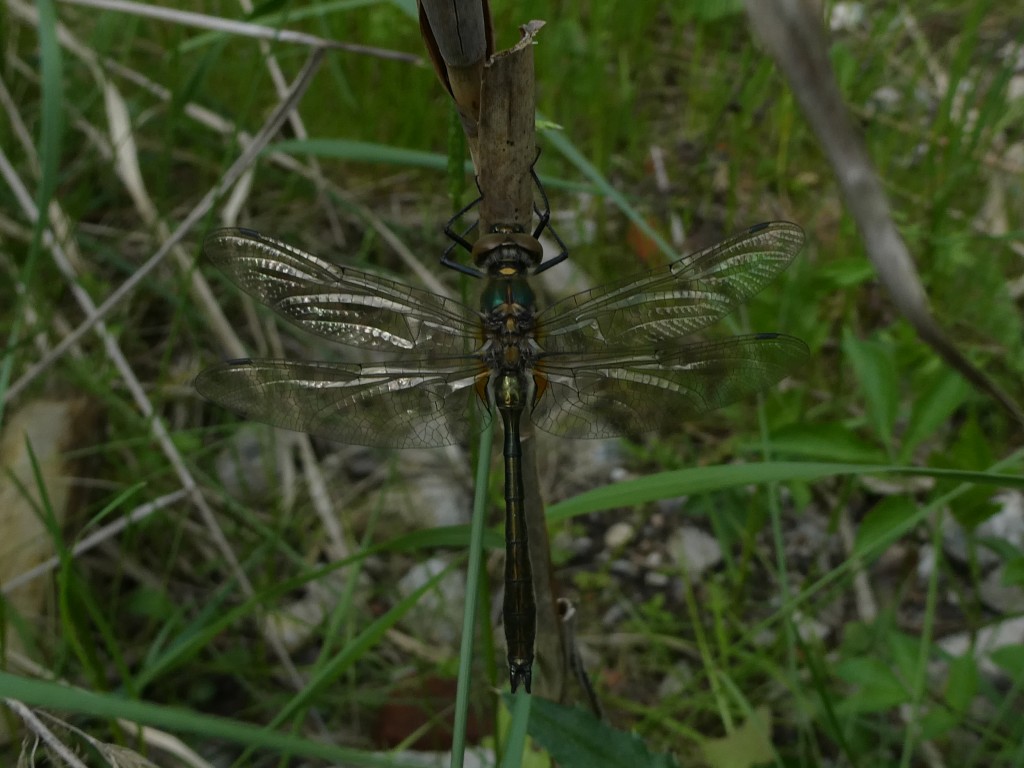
<point x="519" y="611"/>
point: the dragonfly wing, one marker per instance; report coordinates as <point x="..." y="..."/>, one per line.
<point x="617" y="392"/>
<point x="675" y="300"/>
<point x="338" y="303"/>
<point x="414" y="404"/>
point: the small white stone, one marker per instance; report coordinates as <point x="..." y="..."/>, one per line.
<point x="656" y="579"/>
<point x="693" y="550"/>
<point x="619" y="535"/>
<point x="437" y="617"/>
<point x="846" y="16"/>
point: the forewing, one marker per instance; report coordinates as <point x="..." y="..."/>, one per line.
<point x="620" y="391"/>
<point x="413" y="404"/>
<point x="338" y="303"/>
<point x="673" y="301"/>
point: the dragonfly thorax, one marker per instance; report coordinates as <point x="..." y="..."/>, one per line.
<point x="508" y="312"/>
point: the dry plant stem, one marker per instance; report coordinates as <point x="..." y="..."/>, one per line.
<point x="675" y="221"/>
<point x="507" y="151"/>
<point x="508" y="146"/>
<point x="320" y="497"/>
<point x="299" y="129"/>
<point x="239" y="28"/>
<point x="864" y="595"/>
<point x="155" y="739"/>
<point x="219" y="125"/>
<point x="35" y="725"/>
<point x="460" y="30"/>
<point x="570" y="651"/>
<point x="337" y="547"/>
<point x="459" y="38"/>
<point x="793" y="35"/>
<point x="99" y="536"/>
<point x="135" y="387"/>
<point x="144" y="734"/>
<point x="248" y="156"/>
<point x="200" y="288"/>
<point x="867" y="611"/>
<point x="204" y="298"/>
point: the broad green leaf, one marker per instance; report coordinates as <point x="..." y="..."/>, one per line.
<point x="712" y="10"/>
<point x="1013" y="572"/>
<point x="1010" y="659"/>
<point x="846" y="273"/>
<point x="903" y="654"/>
<point x="577" y="739"/>
<point x="946" y="393"/>
<point x="887" y="521"/>
<point x="937" y="722"/>
<point x="961" y="683"/>
<point x="875" y="370"/>
<point x="747" y="746"/>
<point x="876" y="687"/>
<point x="826" y="441"/>
<point x="65" y="698"/>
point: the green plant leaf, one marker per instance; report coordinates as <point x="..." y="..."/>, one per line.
<point x="961" y="683"/>
<point x="846" y="273"/>
<point x="65" y="698"/>
<point x="875" y="369"/>
<point x="1013" y="572"/>
<point x="363" y="152"/>
<point x="937" y="722"/>
<point x="946" y="393"/>
<point x="876" y="687"/>
<point x="1010" y="659"/>
<point x="887" y="521"/>
<point x="577" y="739"/>
<point x="712" y="10"/>
<point x="747" y="746"/>
<point x="698" y="480"/>
<point x="826" y="441"/>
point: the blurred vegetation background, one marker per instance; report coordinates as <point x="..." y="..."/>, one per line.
<point x="678" y="109"/>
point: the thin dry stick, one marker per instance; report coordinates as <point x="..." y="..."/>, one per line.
<point x="459" y="39"/>
<point x="299" y="128"/>
<point x="793" y="35"/>
<point x="249" y="154"/>
<point x="95" y="315"/>
<point x="204" y="297"/>
<point x="239" y="28"/>
<point x="506" y="154"/>
<point x="108" y="531"/>
<point x="155" y="739"/>
<point x="211" y="120"/>
<point x="35" y="725"/>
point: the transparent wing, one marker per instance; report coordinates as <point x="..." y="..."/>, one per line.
<point x="673" y="301"/>
<point x="341" y="304"/>
<point x="413" y="404"/>
<point x="620" y="391"/>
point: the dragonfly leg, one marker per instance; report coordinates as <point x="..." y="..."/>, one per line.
<point x="459" y="239"/>
<point x="544" y="222"/>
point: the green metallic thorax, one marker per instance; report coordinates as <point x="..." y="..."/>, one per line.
<point x="508" y="308"/>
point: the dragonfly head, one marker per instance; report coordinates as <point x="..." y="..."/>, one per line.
<point x="507" y="252"/>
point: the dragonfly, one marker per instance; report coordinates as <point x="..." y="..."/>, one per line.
<point x="617" y="359"/>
